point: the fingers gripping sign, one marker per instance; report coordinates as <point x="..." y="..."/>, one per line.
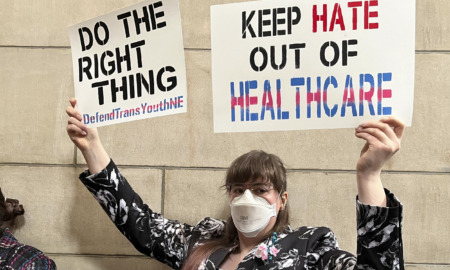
<point x="383" y="140"/>
<point x="86" y="139"/>
<point x="74" y="122"/>
<point x="77" y="131"/>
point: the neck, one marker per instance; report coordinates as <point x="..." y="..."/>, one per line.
<point x="2" y="231"/>
<point x="6" y="224"/>
<point x="246" y="244"/>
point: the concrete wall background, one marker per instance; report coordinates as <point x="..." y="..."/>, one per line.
<point x="171" y="166"/>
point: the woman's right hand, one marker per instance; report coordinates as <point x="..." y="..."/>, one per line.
<point x="79" y="133"/>
<point x="86" y="139"/>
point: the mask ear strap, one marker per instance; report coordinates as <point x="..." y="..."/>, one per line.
<point x="279" y="196"/>
<point x="283" y="204"/>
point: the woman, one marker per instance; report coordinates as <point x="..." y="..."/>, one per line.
<point x="13" y="254"/>
<point x="257" y="235"/>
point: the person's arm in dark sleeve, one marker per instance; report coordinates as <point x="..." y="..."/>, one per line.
<point x="380" y="235"/>
<point x="151" y="234"/>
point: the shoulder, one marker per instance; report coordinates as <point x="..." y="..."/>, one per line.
<point x="34" y="258"/>
<point x="312" y="248"/>
<point x="210" y="226"/>
<point x="307" y="238"/>
<point x="207" y="228"/>
<point x="16" y="255"/>
<point x="307" y="232"/>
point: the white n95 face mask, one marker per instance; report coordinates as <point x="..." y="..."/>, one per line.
<point x="251" y="213"/>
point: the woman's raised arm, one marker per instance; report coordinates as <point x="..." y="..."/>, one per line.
<point x="383" y="140"/>
<point x="86" y="139"/>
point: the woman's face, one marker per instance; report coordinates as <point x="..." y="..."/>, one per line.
<point x="263" y="189"/>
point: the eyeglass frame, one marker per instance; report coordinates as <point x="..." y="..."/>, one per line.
<point x="251" y="187"/>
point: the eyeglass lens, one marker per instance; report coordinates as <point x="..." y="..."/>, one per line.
<point x="258" y="189"/>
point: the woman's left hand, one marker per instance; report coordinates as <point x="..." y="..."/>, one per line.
<point x="383" y="140"/>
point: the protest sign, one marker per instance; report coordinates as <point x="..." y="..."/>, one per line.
<point x="129" y="64"/>
<point x="311" y="64"/>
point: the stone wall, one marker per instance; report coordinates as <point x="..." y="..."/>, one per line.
<point x="178" y="167"/>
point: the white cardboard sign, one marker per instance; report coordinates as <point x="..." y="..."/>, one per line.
<point x="311" y="64"/>
<point x="129" y="64"/>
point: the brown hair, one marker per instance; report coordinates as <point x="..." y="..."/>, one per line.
<point x="9" y="209"/>
<point x="254" y="165"/>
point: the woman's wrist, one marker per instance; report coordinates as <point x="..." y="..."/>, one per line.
<point x="368" y="175"/>
<point x="96" y="158"/>
<point x="370" y="188"/>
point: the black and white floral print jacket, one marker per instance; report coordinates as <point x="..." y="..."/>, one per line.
<point x="379" y="233"/>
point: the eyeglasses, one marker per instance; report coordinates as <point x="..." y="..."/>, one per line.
<point x="258" y="189"/>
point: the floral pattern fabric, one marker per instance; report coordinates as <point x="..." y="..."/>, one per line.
<point x="379" y="244"/>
